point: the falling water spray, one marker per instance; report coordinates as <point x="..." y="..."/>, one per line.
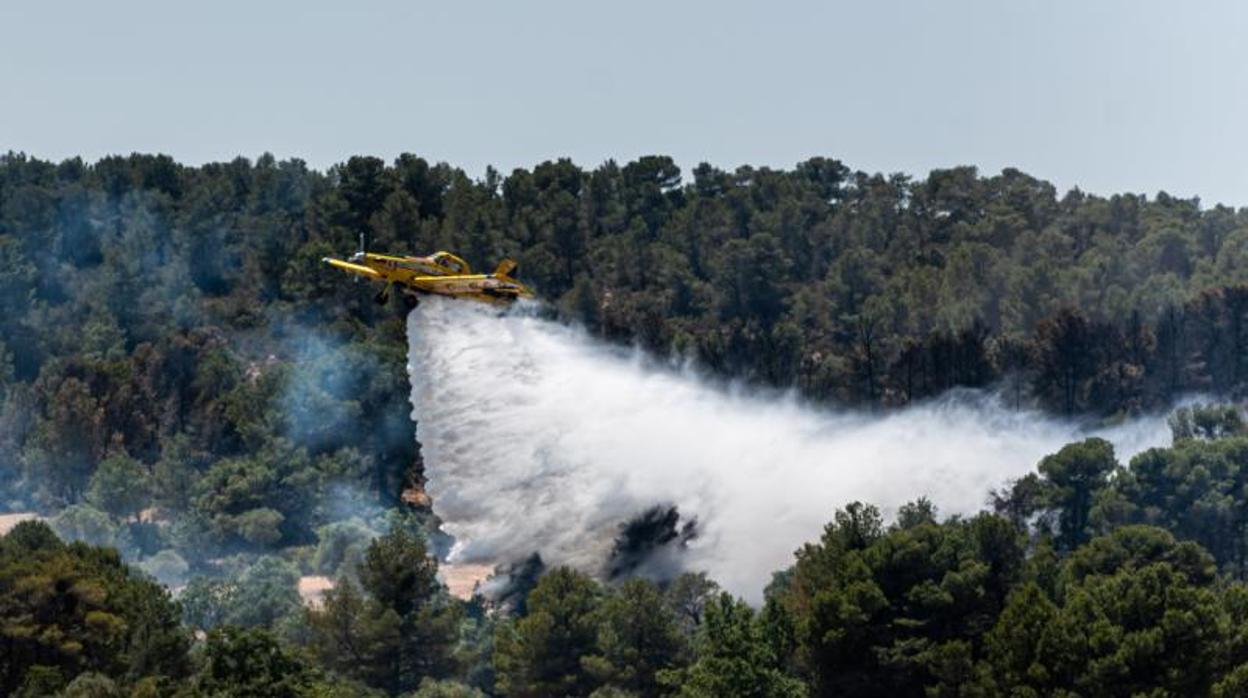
<point x="539" y="438"/>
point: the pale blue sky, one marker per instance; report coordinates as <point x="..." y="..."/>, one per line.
<point x="1110" y="96"/>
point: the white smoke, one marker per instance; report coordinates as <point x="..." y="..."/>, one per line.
<point x="536" y="437"/>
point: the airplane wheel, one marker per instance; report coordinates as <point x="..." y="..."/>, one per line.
<point x="410" y="302"/>
<point x="381" y="298"/>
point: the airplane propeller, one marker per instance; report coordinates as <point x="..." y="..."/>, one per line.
<point x="359" y="254"/>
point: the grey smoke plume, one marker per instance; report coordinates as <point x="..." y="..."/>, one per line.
<point x="536" y="437"/>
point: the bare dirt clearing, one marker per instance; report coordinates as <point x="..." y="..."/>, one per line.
<point x="313" y="587"/>
<point x="461" y="580"/>
<point x="8" y="521"/>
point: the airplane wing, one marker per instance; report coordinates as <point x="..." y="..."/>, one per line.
<point x="353" y="268"/>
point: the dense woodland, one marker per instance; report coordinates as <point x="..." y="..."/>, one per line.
<point x="1086" y="578"/>
<point x="190" y="396"/>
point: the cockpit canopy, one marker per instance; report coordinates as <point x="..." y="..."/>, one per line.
<point x="451" y="262"/>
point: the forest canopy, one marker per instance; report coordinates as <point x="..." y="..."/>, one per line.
<point x="1085" y="577"/>
<point x="185" y="388"/>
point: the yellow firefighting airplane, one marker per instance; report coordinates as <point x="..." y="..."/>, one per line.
<point x="441" y="273"/>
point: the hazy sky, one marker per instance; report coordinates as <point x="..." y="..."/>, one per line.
<point x="1110" y="96"/>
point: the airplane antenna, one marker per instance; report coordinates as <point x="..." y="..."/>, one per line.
<point x="361" y="241"/>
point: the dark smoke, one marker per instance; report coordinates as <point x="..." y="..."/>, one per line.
<point x="507" y="590"/>
<point x="650" y="544"/>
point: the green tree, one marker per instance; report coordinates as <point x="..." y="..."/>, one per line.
<point x="91" y="685"/>
<point x="167" y="567"/>
<point x="540" y="654"/>
<point x="85" y="523"/>
<point x="1013" y="647"/>
<point x="207" y="602"/>
<point x="68" y="438"/>
<point x="1195" y="490"/>
<point x="1133" y="547"/>
<point x="75" y="608"/>
<point x="120" y="486"/>
<point x="1066" y="356"/>
<point x="688" y="595"/>
<point x="355" y="636"/>
<point x="407" y="625"/>
<point x="1144" y="630"/>
<point x="638" y="636"/>
<point x="1206" y="422"/>
<point x="733" y="658"/>
<point x="251" y="663"/>
<point x="41" y="681"/>
<point x="432" y="688"/>
<point x="1075" y="475"/>
<point x="399" y="572"/>
<point x="341" y="543"/>
<point x="874" y="611"/>
<point x="266" y="593"/>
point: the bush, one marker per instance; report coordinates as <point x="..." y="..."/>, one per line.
<point x="167" y="567"/>
<point x="339" y="542"/>
<point x="85" y="523"/>
<point x="260" y="526"/>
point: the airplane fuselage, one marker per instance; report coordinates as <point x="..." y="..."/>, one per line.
<point x="442" y="274"/>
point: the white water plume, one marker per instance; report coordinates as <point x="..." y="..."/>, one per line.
<point x="536" y="437"/>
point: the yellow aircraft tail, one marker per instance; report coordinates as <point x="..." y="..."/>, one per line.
<point x="506" y="268"/>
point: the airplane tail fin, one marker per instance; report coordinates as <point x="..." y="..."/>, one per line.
<point x="507" y="267"/>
